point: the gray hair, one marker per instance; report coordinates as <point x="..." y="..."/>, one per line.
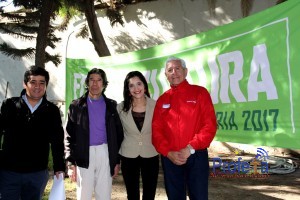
<point x="172" y="58"/>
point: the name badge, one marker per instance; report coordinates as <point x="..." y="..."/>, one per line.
<point x="166" y="106"/>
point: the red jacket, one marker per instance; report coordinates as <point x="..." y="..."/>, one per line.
<point x="183" y="115"/>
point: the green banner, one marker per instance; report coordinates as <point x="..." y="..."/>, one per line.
<point x="250" y="67"/>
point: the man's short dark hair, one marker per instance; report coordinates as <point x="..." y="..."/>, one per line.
<point x="36" y="71"/>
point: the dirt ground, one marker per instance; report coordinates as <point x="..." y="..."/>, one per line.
<point x="270" y="187"/>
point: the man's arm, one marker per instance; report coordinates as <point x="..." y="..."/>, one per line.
<point x="1" y="131"/>
<point x="3" y="117"/>
<point x="57" y="142"/>
<point x="69" y="136"/>
<point x="207" y="123"/>
<point x="158" y="139"/>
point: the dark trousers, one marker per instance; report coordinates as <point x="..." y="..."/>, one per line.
<point x="131" y="170"/>
<point x="24" y="186"/>
<point x="191" y="177"/>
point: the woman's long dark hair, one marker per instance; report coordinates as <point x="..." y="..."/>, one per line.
<point x="126" y="93"/>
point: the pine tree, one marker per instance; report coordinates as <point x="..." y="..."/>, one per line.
<point x="31" y="22"/>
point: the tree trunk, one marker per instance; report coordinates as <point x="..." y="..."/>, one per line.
<point x="41" y="40"/>
<point x="97" y="37"/>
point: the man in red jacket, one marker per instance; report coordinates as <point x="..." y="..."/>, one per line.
<point x="183" y="126"/>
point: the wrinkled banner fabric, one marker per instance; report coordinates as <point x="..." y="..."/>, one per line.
<point x="251" y="68"/>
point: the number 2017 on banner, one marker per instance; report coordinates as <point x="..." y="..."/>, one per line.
<point x="254" y="120"/>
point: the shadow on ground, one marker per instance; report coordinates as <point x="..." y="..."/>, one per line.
<point x="271" y="187"/>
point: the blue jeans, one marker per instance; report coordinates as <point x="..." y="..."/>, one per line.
<point x="24" y="186"/>
<point x="191" y="177"/>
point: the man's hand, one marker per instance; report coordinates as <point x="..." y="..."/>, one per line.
<point x="116" y="171"/>
<point x="185" y="153"/>
<point x="178" y="158"/>
<point x="72" y="172"/>
<point x="58" y="173"/>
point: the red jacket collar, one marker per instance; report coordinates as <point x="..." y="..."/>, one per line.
<point x="180" y="85"/>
